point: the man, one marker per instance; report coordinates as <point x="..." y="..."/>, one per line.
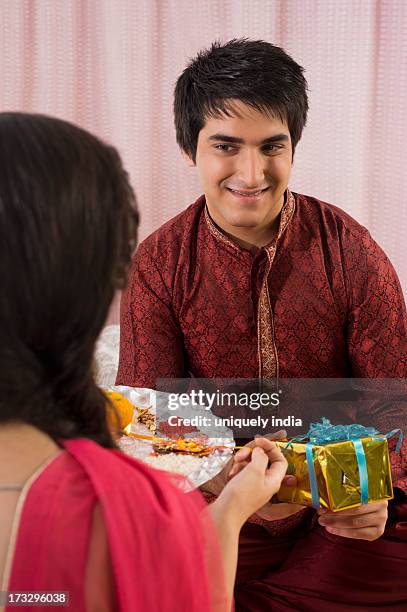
<point x="255" y="281"/>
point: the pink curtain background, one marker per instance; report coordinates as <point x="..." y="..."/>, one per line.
<point x="111" y="66"/>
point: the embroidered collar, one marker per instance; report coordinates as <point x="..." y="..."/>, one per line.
<point x="285" y="217"/>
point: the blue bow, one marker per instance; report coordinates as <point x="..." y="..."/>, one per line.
<point x="325" y="432"/>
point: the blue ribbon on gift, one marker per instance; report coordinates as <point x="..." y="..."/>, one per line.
<point x="326" y="433"/>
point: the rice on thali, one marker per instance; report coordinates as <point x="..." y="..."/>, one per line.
<point x="179" y="464"/>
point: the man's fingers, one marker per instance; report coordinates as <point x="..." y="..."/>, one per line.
<point x="372" y="508"/>
<point x="278" y="435"/>
<point x="369" y="534"/>
<point x="361" y="521"/>
<point x="289" y="481"/>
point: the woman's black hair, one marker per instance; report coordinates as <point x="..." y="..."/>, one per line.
<point x="68" y="226"/>
<point x="255" y="72"/>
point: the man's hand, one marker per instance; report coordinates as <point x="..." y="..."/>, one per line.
<point x="365" y="522"/>
<point x="218" y="483"/>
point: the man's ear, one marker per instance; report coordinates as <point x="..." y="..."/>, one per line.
<point x="188" y="160"/>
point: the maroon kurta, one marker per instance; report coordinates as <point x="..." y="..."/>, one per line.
<point x="321" y="301"/>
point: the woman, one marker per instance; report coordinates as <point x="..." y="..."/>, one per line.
<point x="76" y="515"/>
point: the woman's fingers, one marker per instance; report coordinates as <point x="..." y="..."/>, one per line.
<point x="266" y="458"/>
<point x="243" y="454"/>
<point x="237" y="467"/>
<point x="259" y="459"/>
<point x="278" y="467"/>
<point x="272" y="450"/>
<point x="288" y="480"/>
<point x="273" y="475"/>
<point x="240" y="460"/>
<point x="267" y="445"/>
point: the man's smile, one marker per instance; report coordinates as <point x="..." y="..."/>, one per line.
<point x="249" y="195"/>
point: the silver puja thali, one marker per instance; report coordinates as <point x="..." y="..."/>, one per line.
<point x="197" y="470"/>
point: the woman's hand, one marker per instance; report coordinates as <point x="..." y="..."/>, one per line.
<point x="241" y="459"/>
<point x="269" y="511"/>
<point x="255" y="477"/>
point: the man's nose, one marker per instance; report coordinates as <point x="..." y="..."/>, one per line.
<point x="251" y="169"/>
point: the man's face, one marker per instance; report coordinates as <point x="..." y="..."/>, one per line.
<point x="244" y="164"/>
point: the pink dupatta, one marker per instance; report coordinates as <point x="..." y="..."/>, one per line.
<point x="163" y="554"/>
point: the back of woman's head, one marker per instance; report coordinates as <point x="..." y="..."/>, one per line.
<point x="67" y="229"/>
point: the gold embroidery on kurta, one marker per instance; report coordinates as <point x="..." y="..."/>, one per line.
<point x="217" y="233"/>
<point x="268" y="360"/>
<point x="266" y="342"/>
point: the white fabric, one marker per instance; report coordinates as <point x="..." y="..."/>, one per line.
<point x="107" y="356"/>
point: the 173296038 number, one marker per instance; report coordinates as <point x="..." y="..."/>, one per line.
<point x="36" y="598"/>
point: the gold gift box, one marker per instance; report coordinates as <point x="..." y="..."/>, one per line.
<point x="337" y="473"/>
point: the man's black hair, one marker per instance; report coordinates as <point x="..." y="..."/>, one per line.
<point x="255" y="72"/>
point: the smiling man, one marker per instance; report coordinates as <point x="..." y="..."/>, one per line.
<point x="244" y="175"/>
<point x="254" y="281"/>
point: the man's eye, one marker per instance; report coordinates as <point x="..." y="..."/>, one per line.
<point x="271" y="148"/>
<point x="224" y="147"/>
